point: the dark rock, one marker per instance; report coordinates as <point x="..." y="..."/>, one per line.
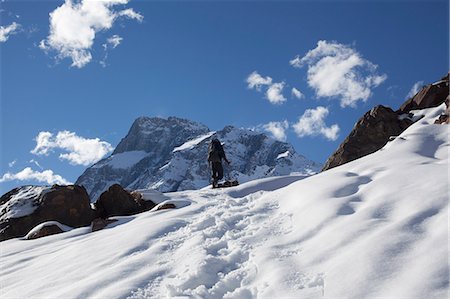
<point x="166" y="206"/>
<point x="44" y="231"/>
<point x="445" y="117"/>
<point x="116" y="201"/>
<point x="100" y="223"/>
<point x="25" y="207"/>
<point x="431" y="95"/>
<point x="369" y="134"/>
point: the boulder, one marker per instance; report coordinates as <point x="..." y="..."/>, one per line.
<point x="116" y="201"/>
<point x="370" y="133"/>
<point x="166" y="206"/>
<point x="23" y="208"/>
<point x="431" y="95"/>
<point x="445" y="117"/>
<point x="43" y="230"/>
<point x="100" y="223"/>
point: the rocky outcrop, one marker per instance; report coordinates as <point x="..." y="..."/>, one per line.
<point x="25" y="207"/>
<point x="431" y="95"/>
<point x="116" y="201"/>
<point x="370" y="133"/>
<point x="445" y="117"/>
<point x="374" y="129"/>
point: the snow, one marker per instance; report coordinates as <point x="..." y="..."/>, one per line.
<point x="191" y="143"/>
<point x="23" y="203"/>
<point x="283" y="155"/>
<point x="126" y="159"/>
<point x="153" y="195"/>
<point x="375" y="227"/>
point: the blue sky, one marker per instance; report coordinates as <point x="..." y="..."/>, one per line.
<point x="80" y="85"/>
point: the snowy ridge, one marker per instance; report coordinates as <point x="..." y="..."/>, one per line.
<point x="375" y="227"/>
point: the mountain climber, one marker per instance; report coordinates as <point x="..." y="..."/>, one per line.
<point x="215" y="156"/>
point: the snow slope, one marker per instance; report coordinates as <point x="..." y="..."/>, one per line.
<point x="375" y="227"/>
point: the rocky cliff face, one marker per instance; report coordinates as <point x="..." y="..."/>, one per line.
<point x="373" y="130"/>
<point x="370" y="133"/>
<point x="170" y="155"/>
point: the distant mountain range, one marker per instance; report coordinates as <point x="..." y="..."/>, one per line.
<point x="170" y="155"/>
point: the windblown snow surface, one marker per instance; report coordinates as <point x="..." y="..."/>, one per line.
<point x="375" y="227"/>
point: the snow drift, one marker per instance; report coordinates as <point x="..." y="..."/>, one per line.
<point x="375" y="227"/>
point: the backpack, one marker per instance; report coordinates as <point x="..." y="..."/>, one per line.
<point x="215" y="151"/>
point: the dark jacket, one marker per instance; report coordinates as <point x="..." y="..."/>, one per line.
<point x="216" y="152"/>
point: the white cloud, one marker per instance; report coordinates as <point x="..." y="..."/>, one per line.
<point x="114" y="41"/>
<point x="337" y="70"/>
<point x="255" y="80"/>
<point x="297" y="93"/>
<point x="312" y="123"/>
<point x="131" y="14"/>
<point x="277" y="129"/>
<point x="415" y="89"/>
<point x="27" y="174"/>
<point x="80" y="151"/>
<point x="73" y="27"/>
<point x="12" y="163"/>
<point x="274" y="93"/>
<point x="6" y="32"/>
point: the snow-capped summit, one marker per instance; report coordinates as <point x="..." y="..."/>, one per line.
<point x="170" y="155"/>
<point x="154" y="134"/>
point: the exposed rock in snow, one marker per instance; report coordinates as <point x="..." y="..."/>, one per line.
<point x="370" y="133"/>
<point x="431" y="95"/>
<point x="46" y="229"/>
<point x="25" y="207"/>
<point x="377" y="126"/>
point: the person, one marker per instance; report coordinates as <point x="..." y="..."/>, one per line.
<point x="215" y="156"/>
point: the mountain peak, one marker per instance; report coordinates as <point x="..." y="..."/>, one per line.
<point x="170" y="155"/>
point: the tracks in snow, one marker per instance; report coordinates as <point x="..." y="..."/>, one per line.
<point x="209" y="257"/>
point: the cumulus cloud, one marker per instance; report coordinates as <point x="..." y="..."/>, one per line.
<point x="274" y="91"/>
<point x="131" y="14"/>
<point x="312" y="123"/>
<point x="255" y="80"/>
<point x="277" y="129"/>
<point x="415" y="89"/>
<point x="73" y="27"/>
<point x="79" y="150"/>
<point x="297" y="93"/>
<point x="6" y="32"/>
<point x="27" y="174"/>
<point x="337" y="70"/>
